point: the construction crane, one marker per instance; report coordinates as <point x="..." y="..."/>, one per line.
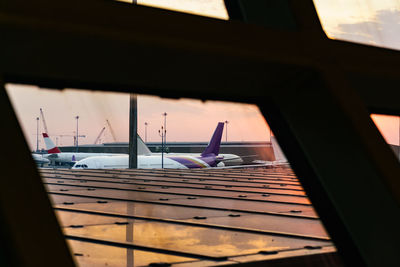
<point x="44" y="121"/>
<point x="98" y="137"/>
<point x="111" y="130"/>
<point x="58" y="135"/>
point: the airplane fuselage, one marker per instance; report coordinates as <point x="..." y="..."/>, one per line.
<point x="71" y="157"/>
<point x="147" y="162"/>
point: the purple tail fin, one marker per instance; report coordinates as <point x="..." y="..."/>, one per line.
<point x="215" y="142"/>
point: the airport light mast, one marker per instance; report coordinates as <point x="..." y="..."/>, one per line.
<point x="77" y="133"/>
<point x="162" y="134"/>
<point x="226" y="131"/>
<point x="165" y="127"/>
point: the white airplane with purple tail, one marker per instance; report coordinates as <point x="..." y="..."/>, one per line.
<point x="209" y="158"/>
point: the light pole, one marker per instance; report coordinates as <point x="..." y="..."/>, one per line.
<point x="77" y="133"/>
<point x="226" y="131"/>
<point x="37" y="134"/>
<point x="165" y="127"/>
<point x="162" y="133"/>
<point x="145" y="132"/>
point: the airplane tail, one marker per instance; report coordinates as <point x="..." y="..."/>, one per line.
<point x="215" y="142"/>
<point x="50" y="146"/>
<point x="279" y="156"/>
<point x="143" y="149"/>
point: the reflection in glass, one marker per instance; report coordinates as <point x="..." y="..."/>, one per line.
<point x="373" y="22"/>
<point x="94" y="255"/>
<point x="191" y="239"/>
<point x="130" y="259"/>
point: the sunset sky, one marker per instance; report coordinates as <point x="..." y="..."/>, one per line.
<point x="187" y="120"/>
<point x="375" y="22"/>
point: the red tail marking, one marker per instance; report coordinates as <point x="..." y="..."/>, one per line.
<point x="54" y="150"/>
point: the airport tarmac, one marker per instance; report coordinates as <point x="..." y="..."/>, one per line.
<point x="196" y="217"/>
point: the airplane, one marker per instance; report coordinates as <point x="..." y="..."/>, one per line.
<point x="40" y="159"/>
<point x="209" y="158"/>
<point x="56" y="156"/>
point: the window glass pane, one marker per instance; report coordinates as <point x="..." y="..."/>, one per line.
<point x="374" y="22"/>
<point x="242" y="203"/>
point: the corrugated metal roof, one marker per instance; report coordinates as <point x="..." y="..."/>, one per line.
<point x="184" y="217"/>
